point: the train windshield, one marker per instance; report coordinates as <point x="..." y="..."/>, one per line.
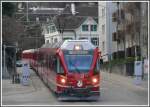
<point x="78" y="63"/>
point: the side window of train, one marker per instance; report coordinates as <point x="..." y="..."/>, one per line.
<point x="47" y="61"/>
<point x="50" y="62"/>
<point x="49" y="58"/>
<point x="41" y="58"/>
<point x="55" y="63"/>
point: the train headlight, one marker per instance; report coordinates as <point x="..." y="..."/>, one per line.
<point x="63" y="80"/>
<point x="94" y="80"/>
<point x="77" y="47"/>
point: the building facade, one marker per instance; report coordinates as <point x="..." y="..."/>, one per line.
<point x="123" y="28"/>
<point x="106" y="28"/>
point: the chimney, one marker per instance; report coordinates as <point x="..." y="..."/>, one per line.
<point x="73" y="11"/>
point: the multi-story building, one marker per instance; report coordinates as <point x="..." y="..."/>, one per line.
<point x="144" y="30"/>
<point x="134" y="28"/>
<point x="106" y="29"/>
<point x="124" y="29"/>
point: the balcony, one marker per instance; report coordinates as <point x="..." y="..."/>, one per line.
<point x="114" y="17"/>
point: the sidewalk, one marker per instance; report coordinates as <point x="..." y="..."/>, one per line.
<point x="8" y="88"/>
<point x="36" y="93"/>
<point x="124" y="80"/>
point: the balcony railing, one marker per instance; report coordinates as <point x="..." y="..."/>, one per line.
<point x="114" y="17"/>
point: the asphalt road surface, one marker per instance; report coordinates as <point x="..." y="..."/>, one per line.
<point x="115" y="90"/>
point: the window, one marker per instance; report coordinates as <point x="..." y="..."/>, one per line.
<point x="85" y="28"/>
<point x="81" y="38"/>
<point x="47" y="29"/>
<point x="103" y="12"/>
<point x="52" y="29"/>
<point x="55" y="63"/>
<point x="37" y="19"/>
<point x="51" y="40"/>
<point x="97" y="68"/>
<point x="47" y="19"/>
<point x="47" y="41"/>
<point x="95" y="41"/>
<point x="93" y="27"/>
<point x="103" y="29"/>
<point x="78" y="63"/>
<point x="59" y="67"/>
<point x="55" y="40"/>
<point x="67" y="38"/>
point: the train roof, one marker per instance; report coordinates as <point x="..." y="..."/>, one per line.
<point x="69" y="44"/>
<point x="29" y="51"/>
<point x="54" y="45"/>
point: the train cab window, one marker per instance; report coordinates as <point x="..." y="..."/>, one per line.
<point x="59" y="67"/>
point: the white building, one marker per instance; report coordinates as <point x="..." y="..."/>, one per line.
<point x="84" y="25"/>
<point x="106" y="29"/>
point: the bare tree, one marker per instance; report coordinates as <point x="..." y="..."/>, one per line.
<point x="11" y="30"/>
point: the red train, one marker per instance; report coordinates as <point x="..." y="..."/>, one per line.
<point x="71" y="69"/>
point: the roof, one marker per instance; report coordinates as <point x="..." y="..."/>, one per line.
<point x="41" y="14"/>
<point x="83" y="11"/>
<point x="46" y="11"/>
<point x="68" y="21"/>
<point x="54" y="45"/>
<point x="70" y="44"/>
<point x="87" y="11"/>
<point x="29" y="51"/>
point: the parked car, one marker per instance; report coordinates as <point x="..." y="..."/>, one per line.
<point x="19" y="63"/>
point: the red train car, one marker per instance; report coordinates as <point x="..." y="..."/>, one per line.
<point x="30" y="56"/>
<point x="70" y="69"/>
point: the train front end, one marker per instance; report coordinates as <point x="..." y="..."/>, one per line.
<point x="81" y="71"/>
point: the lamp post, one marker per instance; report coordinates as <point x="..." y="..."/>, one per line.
<point x="117" y="28"/>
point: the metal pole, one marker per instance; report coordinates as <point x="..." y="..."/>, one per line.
<point x="27" y="12"/>
<point x="4" y="59"/>
<point x="117" y="28"/>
